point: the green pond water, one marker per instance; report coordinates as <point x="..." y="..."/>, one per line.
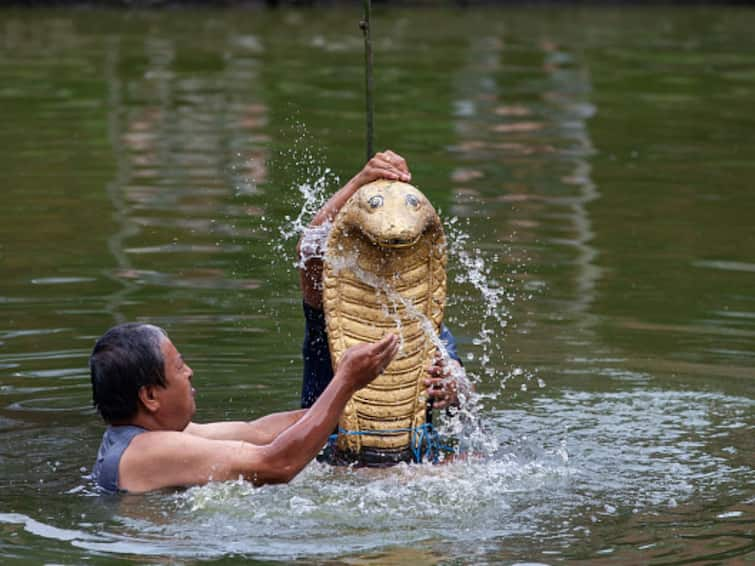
<point x="594" y="168"/>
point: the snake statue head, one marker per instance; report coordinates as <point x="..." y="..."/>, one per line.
<point x="391" y="214"/>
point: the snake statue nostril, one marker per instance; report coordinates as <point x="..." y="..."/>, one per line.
<point x="385" y="271"/>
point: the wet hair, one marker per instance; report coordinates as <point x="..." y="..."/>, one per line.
<point x="125" y="359"/>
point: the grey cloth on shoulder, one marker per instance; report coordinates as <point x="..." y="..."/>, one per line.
<point x="114" y="443"/>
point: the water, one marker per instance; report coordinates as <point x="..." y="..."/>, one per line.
<point x="593" y="170"/>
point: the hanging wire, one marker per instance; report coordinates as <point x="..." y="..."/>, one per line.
<point x="368" y="82"/>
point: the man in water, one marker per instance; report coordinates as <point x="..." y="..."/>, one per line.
<point x="142" y="388"/>
<point x="445" y="378"/>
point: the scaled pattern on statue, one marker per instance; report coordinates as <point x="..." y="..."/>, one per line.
<point x="385" y="271"/>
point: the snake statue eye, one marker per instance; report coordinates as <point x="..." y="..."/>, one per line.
<point x="375" y="202"/>
<point x="412" y="201"/>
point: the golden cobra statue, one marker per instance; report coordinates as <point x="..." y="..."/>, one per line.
<point x="384" y="271"/>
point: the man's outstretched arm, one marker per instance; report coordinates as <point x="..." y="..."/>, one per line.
<point x="260" y="431"/>
<point x="385" y="165"/>
<point x="160" y="459"/>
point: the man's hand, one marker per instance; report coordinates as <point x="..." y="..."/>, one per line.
<point x="362" y="363"/>
<point x="384" y="165"/>
<point x="446" y="377"/>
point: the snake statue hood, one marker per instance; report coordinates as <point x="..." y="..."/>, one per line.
<point x="385" y="272"/>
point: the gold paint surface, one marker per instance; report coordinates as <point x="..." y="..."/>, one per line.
<point x="385" y="271"/>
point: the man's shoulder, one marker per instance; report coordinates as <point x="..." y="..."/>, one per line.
<point x="154" y="439"/>
<point x="115" y="442"/>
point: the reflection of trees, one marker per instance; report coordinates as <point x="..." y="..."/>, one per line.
<point x="569" y="99"/>
<point x="185" y="143"/>
<point x="677" y="216"/>
<point x="124" y="230"/>
<point x="523" y="149"/>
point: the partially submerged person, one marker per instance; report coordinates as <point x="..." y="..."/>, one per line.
<point x="143" y="389"/>
<point x="446" y="375"/>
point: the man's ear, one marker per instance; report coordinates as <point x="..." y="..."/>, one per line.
<point x="148" y="398"/>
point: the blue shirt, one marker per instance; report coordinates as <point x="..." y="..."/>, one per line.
<point x="114" y="443"/>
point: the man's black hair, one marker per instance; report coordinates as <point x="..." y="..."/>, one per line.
<point x="127" y="357"/>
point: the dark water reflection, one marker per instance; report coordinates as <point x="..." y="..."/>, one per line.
<point x="598" y="161"/>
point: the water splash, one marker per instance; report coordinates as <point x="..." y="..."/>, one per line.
<point x="472" y="269"/>
<point x="311" y="184"/>
<point x="482" y="296"/>
<point x="312" y="197"/>
<point x="542" y="481"/>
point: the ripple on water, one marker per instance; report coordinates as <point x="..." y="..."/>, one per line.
<point x="61" y="280"/>
<point x="726" y="265"/>
<point x="195" y="279"/>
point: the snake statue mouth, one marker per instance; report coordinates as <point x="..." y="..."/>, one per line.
<point x="384" y="272"/>
<point x="398" y="243"/>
